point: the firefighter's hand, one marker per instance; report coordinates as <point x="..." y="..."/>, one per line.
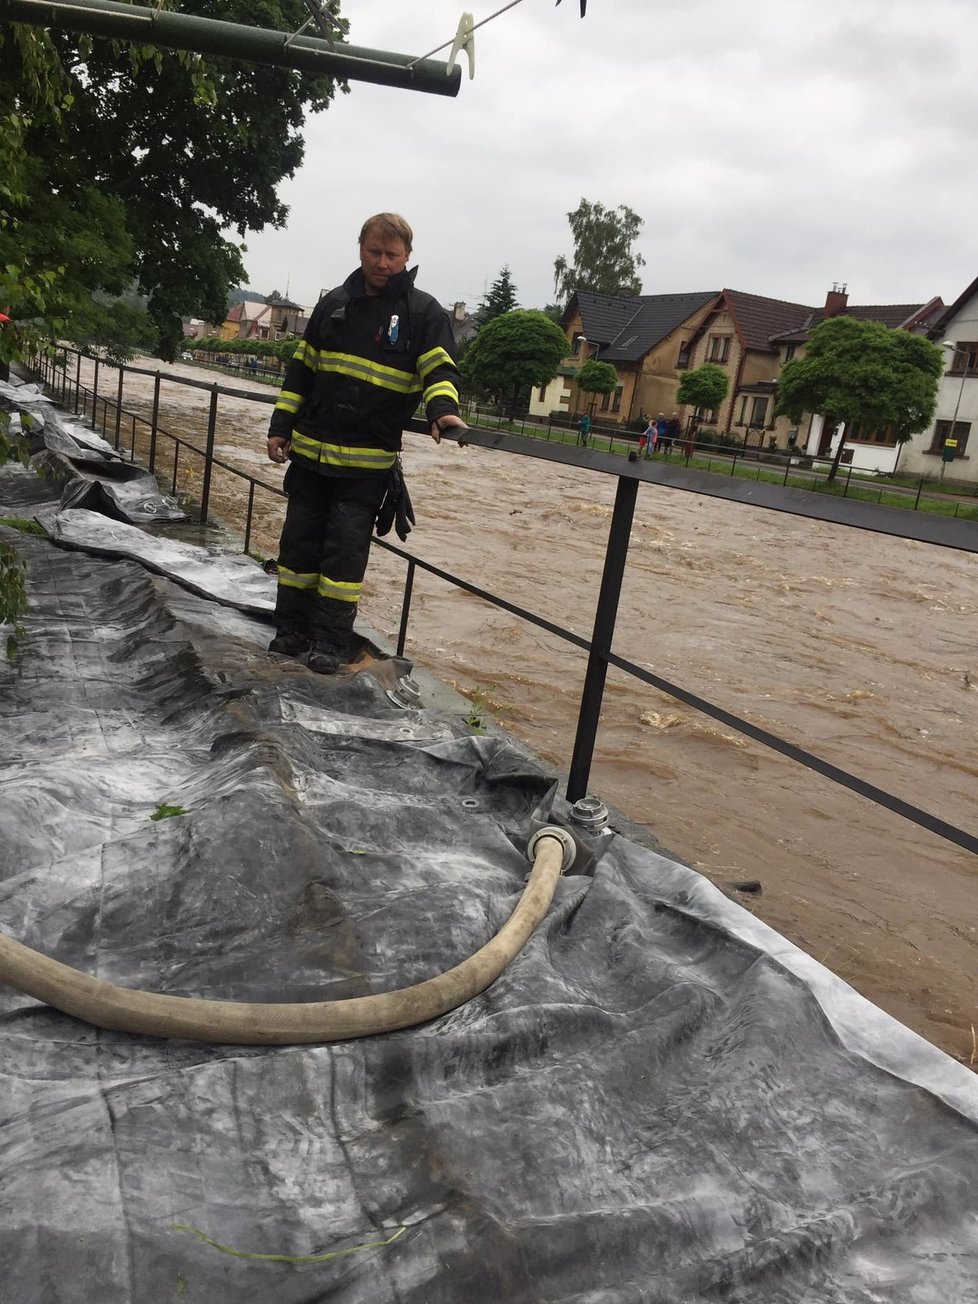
<point x="278" y="448"/>
<point x="443" y="424"/>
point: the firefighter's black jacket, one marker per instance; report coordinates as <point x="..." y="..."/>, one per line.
<point x="364" y="364"/>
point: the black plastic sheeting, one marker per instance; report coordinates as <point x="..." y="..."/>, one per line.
<point x="92" y="473"/>
<point x="660" y="1100"/>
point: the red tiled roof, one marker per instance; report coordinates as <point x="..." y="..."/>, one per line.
<point x="758" y="318"/>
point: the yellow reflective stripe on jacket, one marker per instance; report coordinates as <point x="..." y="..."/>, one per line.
<point x="340" y="590"/>
<point x="295" y="579"/>
<point x="288" y="401"/>
<point x="437" y="357"/>
<point x="348" y="455"/>
<point x="372" y="373"/>
<point x="443" y="389"/>
<point x="307" y="354"/>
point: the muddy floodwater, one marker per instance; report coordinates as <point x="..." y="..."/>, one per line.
<point x="857" y="646"/>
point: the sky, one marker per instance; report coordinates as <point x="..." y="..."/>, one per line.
<point x="775" y="147"/>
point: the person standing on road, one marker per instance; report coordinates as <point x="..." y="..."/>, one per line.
<point x="373" y="349"/>
<point x="648" y="440"/>
<point x="674" y="432"/>
<point x="660" y="430"/>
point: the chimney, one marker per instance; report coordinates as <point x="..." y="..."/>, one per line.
<point x="835" y="301"/>
<point x="458" y="311"/>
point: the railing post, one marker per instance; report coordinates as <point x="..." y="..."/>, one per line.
<point x="77" y="378"/>
<point x="154" y="424"/>
<point x="94" y="391"/>
<point x="405" y="607"/>
<point x="205" y="493"/>
<point x="251" y="509"/>
<point x="601" y="638"/>
<point x="118" y="406"/>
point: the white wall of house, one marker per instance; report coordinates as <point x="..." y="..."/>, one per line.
<point x="865" y="457"/>
<point x="957" y="393"/>
<point x="556" y="398"/>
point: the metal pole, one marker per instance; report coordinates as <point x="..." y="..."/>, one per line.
<point x="205" y="493"/>
<point x="94" y="392"/>
<point x="957" y="407"/>
<point x="405" y="607"/>
<point x="604" y="628"/>
<point x="77" y="378"/>
<point x="154" y="424"/>
<point x="118" y="406"/>
<point x="180" y="31"/>
<point x="251" y="508"/>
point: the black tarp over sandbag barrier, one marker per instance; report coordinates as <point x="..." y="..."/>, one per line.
<point x="660" y="1100"/>
<point x="91" y="472"/>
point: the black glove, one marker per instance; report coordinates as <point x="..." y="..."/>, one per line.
<point x="395" y="508"/>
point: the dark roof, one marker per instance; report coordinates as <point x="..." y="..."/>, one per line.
<point x="626" y="329"/>
<point x="894" y="315"/>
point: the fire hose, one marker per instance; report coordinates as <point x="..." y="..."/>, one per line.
<point x="243" y="1023"/>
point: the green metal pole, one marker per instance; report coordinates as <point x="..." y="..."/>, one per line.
<point x="178" y="31"/>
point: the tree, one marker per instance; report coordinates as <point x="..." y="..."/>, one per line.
<point x="596" y="377"/>
<point x="866" y="375"/>
<point x="501" y="298"/>
<point x="132" y="163"/>
<point x="604" y="261"/>
<point x="513" y="352"/>
<point x="704" y="388"/>
<point x="117" y="328"/>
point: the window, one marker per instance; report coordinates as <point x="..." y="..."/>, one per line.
<point x="870" y="435"/>
<point x="964" y="357"/>
<point x="543" y="393"/>
<point x="616" y="405"/>
<point x="942" y="433"/>
<point x="682" y="362"/>
<point x="789" y="351"/>
<point x="719" y="348"/>
<point x="758" y="413"/>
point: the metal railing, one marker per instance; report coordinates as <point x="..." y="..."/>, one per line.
<point x="53" y="368"/>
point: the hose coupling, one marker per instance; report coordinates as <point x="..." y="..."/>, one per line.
<point x="590" y="813"/>
<point x="563" y="837"/>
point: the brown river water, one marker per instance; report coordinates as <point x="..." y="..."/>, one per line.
<point x="857" y="646"/>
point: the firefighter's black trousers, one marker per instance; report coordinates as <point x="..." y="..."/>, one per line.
<point x="323" y="552"/>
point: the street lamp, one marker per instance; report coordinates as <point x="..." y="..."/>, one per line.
<point x="949" y="344"/>
<point x="583" y="339"/>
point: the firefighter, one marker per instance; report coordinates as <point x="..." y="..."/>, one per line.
<point x="374" y="348"/>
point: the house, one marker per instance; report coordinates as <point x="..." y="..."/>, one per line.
<point x="866" y="450"/>
<point x="956" y="415"/>
<point x="738" y="333"/>
<point x="652" y="339"/>
<point x="246" y="320"/>
<point x="283" y="317"/>
<point x="644" y="337"/>
<point x="752" y="337"/>
<point x="464" y="323"/>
